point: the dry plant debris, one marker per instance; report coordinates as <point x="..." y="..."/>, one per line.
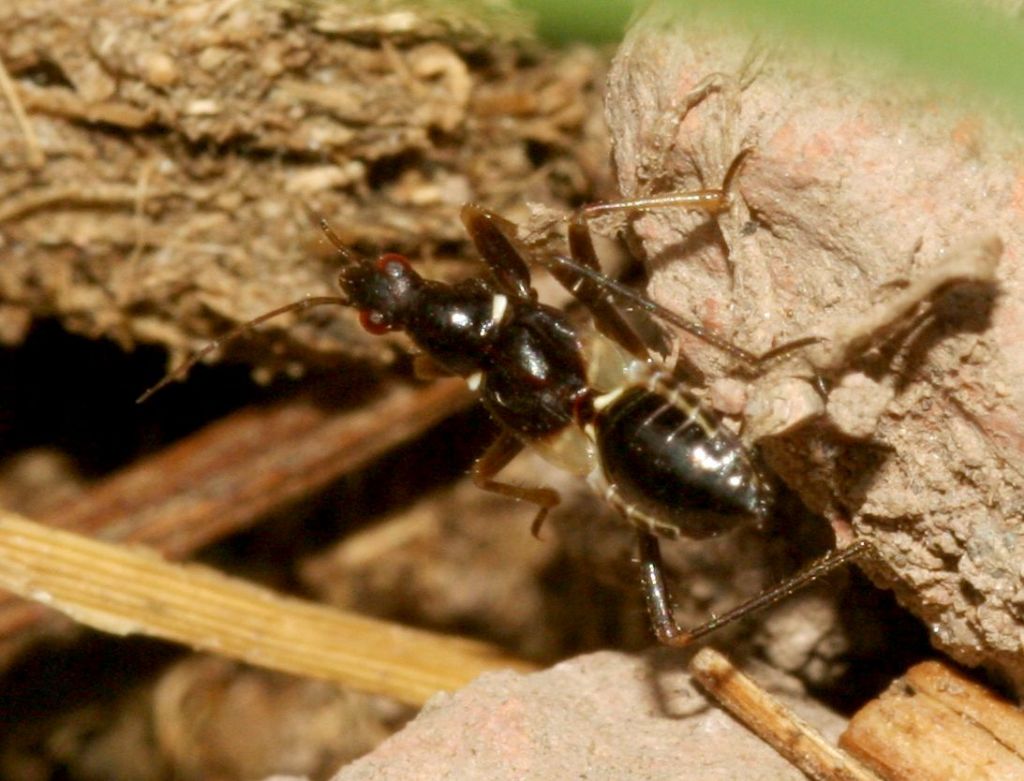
<point x="935" y="723"/>
<point x="227" y="476"/>
<point x="858" y="190"/>
<point x="773" y="722"/>
<point x="183" y="140"/>
<point x="127" y="590"/>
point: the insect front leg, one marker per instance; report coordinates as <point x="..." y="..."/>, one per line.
<point x="426" y="368"/>
<point x="581" y="275"/>
<point x="710" y="199"/>
<point x="597" y="299"/>
<point x="506" y="447"/>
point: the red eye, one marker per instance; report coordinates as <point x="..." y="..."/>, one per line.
<point x="373" y="322"/>
<point x="388" y="258"/>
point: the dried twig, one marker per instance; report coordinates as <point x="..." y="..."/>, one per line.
<point x="36" y="157"/>
<point x="224" y="477"/>
<point x="65" y="195"/>
<point x="63" y="103"/>
<point x="125" y="590"/>
<point x="773" y="722"/>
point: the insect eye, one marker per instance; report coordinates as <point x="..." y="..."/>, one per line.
<point x="393" y="264"/>
<point x="373" y="322"/>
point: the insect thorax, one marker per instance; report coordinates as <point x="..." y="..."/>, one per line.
<point x="537" y="379"/>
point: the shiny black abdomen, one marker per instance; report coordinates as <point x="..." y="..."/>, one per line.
<point x="673" y="468"/>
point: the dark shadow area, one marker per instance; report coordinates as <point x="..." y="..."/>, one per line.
<point x="63" y="694"/>
<point x="78" y="395"/>
<point x="704" y="234"/>
<point x="267" y="551"/>
<point x="886" y="640"/>
<point x="964" y="308"/>
<point x="90" y="669"/>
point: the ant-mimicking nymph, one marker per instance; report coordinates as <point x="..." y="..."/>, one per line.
<point x="589" y="401"/>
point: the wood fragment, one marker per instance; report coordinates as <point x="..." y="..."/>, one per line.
<point x="773" y="722"/>
<point x="224" y="477"/>
<point x="971" y="700"/>
<point x="129" y="590"/>
<point x="934" y="724"/>
<point x="34" y="152"/>
<point x="62" y="103"/>
<point x="67" y="194"/>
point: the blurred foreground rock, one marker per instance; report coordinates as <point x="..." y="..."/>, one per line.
<point x="607" y="716"/>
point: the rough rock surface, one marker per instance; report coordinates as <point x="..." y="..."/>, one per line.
<point x="603" y="716"/>
<point x="857" y="183"/>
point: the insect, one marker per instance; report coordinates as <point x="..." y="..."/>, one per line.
<point x="587" y="400"/>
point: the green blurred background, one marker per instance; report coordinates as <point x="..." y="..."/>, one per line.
<point x="978" y="51"/>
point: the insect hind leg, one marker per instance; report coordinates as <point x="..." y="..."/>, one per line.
<point x="659" y="597"/>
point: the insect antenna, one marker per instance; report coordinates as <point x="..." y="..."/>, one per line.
<point x="296" y="306"/>
<point x="711" y="200"/>
<point x="348" y="257"/>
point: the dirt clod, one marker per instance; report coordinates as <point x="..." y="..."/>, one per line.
<point x="850" y="221"/>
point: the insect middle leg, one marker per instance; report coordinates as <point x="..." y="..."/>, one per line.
<point x="581" y="276"/>
<point x="506" y="447"/>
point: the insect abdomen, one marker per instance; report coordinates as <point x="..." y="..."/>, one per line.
<point x="672" y="468"/>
